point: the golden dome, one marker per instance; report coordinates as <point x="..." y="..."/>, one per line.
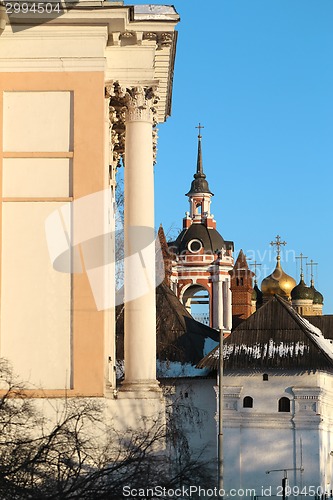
<point x="278" y="282"/>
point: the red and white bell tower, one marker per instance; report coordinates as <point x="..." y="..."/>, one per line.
<point x="202" y="259"/>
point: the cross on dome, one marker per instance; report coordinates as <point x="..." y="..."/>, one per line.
<point x="312" y="264"/>
<point x="255" y="264"/>
<point x="301" y="257"/>
<point x="278" y="244"/>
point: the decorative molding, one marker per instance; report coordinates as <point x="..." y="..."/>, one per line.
<point x="126" y="104"/>
<point x="139" y="103"/>
<point x="162" y="39"/>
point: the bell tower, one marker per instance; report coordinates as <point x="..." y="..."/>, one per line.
<point x="199" y="195"/>
<point x="202" y="259"/>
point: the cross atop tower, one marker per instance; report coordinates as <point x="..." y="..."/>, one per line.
<point x="301" y="257"/>
<point x="199" y="127"/>
<point x="278" y="244"/>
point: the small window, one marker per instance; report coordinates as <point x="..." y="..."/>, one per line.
<point x="237" y="281"/>
<point x="284" y="405"/>
<point x="242" y="282"/>
<point x="265" y="377"/>
<point x="248" y="402"/>
<point x="194" y="246"/>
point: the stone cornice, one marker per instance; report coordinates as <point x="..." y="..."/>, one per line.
<point x="123" y="29"/>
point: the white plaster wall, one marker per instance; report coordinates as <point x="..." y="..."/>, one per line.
<point x="37" y="121"/>
<point x="260" y="438"/>
<point x="35" y="325"/>
<point x="198" y="394"/>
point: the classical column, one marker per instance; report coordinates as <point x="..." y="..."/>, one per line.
<point x="139" y="265"/>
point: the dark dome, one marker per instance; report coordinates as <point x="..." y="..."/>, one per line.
<point x="317" y="297"/>
<point x="210" y="239"/>
<point x="302" y="292"/>
<point x="257" y="294"/>
<point x="199" y="185"/>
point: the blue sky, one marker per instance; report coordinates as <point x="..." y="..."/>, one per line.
<point x="258" y="74"/>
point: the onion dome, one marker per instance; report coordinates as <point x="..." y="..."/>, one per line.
<point x="317" y="296"/>
<point x="278" y="282"/>
<point x="257" y="294"/>
<point x="199" y="185"/>
<point x="302" y="292"/>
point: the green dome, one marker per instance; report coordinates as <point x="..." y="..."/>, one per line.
<point x="302" y="292"/>
<point x="317" y="297"/>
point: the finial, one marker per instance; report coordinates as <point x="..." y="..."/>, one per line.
<point x="301" y="257"/>
<point x="278" y="243"/>
<point x="255" y="265"/>
<point x="199" y="160"/>
<point x="311" y="264"/>
<point x="199" y="127"/>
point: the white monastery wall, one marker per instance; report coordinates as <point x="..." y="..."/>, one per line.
<point x="261" y="438"/>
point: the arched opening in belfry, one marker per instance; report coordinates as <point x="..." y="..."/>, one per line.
<point x="197" y="301"/>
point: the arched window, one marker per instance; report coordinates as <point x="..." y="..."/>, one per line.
<point x="284" y="404"/>
<point x="265" y="377"/>
<point x="248" y="402"/>
<point x="237" y="281"/>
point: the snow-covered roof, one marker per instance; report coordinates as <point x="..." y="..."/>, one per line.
<point x="276" y="336"/>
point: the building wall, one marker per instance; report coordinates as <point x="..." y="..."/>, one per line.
<point x="197" y="401"/>
<point x="56" y="149"/>
<point x="52" y="152"/>
<point x="260" y="439"/>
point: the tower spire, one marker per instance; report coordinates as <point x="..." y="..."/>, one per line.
<point x="199" y="185"/>
<point x="199" y="159"/>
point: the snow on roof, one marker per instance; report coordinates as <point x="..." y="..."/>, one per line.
<point x="266" y="350"/>
<point x="175" y="369"/>
<point x="276" y="336"/>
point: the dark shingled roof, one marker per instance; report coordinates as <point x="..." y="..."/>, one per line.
<point x="179" y="336"/>
<point x="324" y="323"/>
<point x="277" y="337"/>
<point x="210" y="238"/>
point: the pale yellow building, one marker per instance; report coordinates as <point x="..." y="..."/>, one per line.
<point x="78" y="90"/>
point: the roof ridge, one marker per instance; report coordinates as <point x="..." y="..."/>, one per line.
<point x="166" y="292"/>
<point x="302" y="323"/>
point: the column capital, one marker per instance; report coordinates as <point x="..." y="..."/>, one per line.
<point x="135" y="102"/>
<point x="140" y="104"/>
<point x="130" y="103"/>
